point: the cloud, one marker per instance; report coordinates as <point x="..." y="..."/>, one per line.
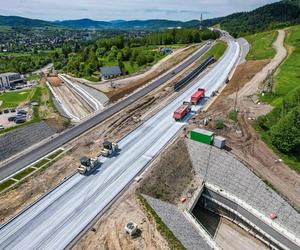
<point x="126" y="9"/>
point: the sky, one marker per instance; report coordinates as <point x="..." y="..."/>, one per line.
<point x="126" y="9"/>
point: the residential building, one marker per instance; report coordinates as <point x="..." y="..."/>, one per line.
<point x="110" y="72"/>
<point x="11" y="80"/>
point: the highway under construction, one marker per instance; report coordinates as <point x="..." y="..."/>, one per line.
<point x="58" y="217"/>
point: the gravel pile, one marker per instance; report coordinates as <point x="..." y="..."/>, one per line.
<point x="219" y="168"/>
<point x="178" y="224"/>
<point x="19" y="139"/>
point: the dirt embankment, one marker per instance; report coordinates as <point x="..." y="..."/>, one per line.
<point x="241" y="135"/>
<point x="109" y="233"/>
<point x="170" y="175"/>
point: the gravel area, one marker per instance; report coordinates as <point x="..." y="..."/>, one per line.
<point x="220" y="168"/>
<point x="178" y="224"/>
<point x="19" y="139"/>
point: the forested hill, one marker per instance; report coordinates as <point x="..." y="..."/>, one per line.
<point x="155" y="24"/>
<point x="275" y="15"/>
<point x="17" y="22"/>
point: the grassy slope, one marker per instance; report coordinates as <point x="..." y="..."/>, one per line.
<point x="261" y="45"/>
<point x="288" y="78"/>
<point x="217" y="50"/>
<point x="286" y="81"/>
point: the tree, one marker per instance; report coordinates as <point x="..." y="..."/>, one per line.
<point x="285" y="135"/>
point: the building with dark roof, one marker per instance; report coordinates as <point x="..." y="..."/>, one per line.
<point x="10" y="80"/>
<point x="110" y="72"/>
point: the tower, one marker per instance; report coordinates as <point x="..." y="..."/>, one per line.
<point x="201" y="20"/>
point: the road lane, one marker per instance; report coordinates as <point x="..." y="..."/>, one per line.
<point x="19" y="163"/>
<point x="54" y="221"/>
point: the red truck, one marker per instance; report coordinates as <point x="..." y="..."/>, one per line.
<point x="197" y="96"/>
<point x="180" y="113"/>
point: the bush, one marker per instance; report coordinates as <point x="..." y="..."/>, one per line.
<point x="220" y="124"/>
<point x="233" y="115"/>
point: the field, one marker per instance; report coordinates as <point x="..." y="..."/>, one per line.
<point x="261" y="45"/>
<point x="217" y="50"/>
<point x="288" y="78"/>
<point x="286" y="85"/>
<point x="13" y="99"/>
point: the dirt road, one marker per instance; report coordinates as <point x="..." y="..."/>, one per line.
<point x="251" y="87"/>
<point x="242" y="137"/>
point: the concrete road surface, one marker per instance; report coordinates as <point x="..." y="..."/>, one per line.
<point x="21" y="162"/>
<point x="55" y="220"/>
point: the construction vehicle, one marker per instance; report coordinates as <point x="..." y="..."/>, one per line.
<point x="182" y="111"/>
<point x="197" y="96"/>
<point x="109" y="148"/>
<point x="87" y="165"/>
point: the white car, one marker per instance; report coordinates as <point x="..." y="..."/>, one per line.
<point x="1" y="127"/>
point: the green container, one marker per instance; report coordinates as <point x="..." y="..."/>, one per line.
<point x="201" y="135"/>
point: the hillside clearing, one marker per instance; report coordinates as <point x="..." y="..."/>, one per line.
<point x="261" y="45"/>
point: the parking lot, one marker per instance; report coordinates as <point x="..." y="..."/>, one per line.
<point x="5" y="114"/>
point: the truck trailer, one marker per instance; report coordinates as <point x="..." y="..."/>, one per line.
<point x="182" y="111"/>
<point x="197" y="96"/>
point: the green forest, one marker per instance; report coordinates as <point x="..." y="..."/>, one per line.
<point x="271" y="16"/>
<point x="23" y="62"/>
<point x="131" y="54"/>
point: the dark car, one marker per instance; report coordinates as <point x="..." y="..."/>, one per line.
<point x="11" y="118"/>
<point x="12" y="111"/>
<point x="6" y="111"/>
<point x="18" y="121"/>
<point x="21" y="111"/>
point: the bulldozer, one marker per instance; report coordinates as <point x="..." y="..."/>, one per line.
<point x="109" y="148"/>
<point x="87" y="164"/>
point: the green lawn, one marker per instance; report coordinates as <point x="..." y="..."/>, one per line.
<point x="217" y="51"/>
<point x="261" y="45"/>
<point x="4" y="185"/>
<point x="288" y="78"/>
<point x="13" y="99"/>
<point x="284" y="98"/>
<point x="23" y="174"/>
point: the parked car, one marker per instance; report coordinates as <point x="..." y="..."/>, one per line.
<point x="12" y="111"/>
<point x="1" y="127"/>
<point x="22" y="111"/>
<point x="6" y="111"/>
<point x="11" y="118"/>
<point x="20" y="120"/>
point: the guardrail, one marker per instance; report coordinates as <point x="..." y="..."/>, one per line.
<point x="192" y="75"/>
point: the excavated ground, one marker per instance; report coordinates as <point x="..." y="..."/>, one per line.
<point x="241" y="135"/>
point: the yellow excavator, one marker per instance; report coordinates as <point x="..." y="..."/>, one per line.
<point x="109" y="148"/>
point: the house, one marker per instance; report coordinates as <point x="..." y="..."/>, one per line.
<point x="110" y="72"/>
<point x="11" y="80"/>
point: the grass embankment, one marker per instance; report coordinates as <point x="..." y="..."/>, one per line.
<point x="281" y="127"/>
<point x="43" y="164"/>
<point x="173" y="242"/>
<point x="261" y="45"/>
<point x="217" y="50"/>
